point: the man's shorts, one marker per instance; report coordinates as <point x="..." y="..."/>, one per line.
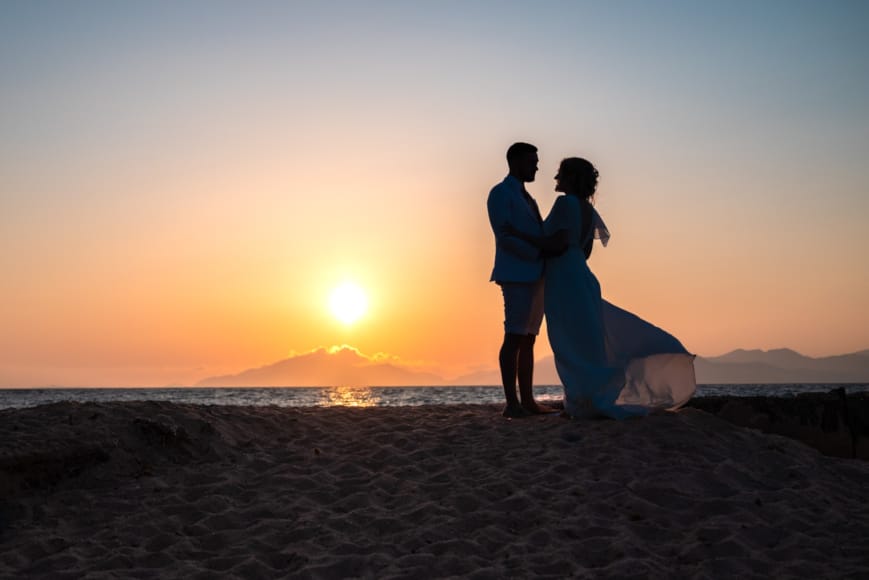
<point x="523" y="306"/>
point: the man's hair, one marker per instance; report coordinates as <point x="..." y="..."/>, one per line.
<point x="519" y="150"/>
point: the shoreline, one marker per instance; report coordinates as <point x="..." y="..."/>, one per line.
<point x="362" y="396"/>
<point x="168" y="490"/>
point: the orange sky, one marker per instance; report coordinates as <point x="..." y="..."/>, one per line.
<point x="178" y="195"/>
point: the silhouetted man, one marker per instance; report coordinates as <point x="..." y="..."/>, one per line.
<point x="519" y="272"/>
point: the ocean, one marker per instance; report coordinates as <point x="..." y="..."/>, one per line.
<point x="356" y="396"/>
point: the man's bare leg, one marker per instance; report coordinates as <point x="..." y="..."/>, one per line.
<point x="508" y="361"/>
<point x="525" y="373"/>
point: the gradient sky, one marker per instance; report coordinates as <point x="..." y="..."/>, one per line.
<point x="183" y="183"/>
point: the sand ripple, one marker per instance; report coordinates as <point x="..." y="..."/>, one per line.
<point x="161" y="490"/>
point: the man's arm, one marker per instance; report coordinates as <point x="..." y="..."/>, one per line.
<point x="498" y="205"/>
<point x="552" y="245"/>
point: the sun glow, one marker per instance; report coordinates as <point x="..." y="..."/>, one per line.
<point x="348" y="302"/>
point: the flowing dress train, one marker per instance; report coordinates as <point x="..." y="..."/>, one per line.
<point x="610" y="361"/>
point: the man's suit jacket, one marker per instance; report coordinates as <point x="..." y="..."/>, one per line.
<point x="515" y="259"/>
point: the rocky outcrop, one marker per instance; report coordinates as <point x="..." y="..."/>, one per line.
<point x="835" y="423"/>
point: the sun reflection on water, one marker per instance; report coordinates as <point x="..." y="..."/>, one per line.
<point x="350" y="397"/>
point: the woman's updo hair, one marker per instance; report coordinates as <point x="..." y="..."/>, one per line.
<point x="579" y="175"/>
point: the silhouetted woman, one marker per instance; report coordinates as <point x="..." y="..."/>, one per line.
<point x="610" y="361"/>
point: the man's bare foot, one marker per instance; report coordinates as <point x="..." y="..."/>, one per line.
<point x="536" y="408"/>
<point x="515" y="412"/>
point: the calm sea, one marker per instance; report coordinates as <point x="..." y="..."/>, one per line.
<point x="354" y="396"/>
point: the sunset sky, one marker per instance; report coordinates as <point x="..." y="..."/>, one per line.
<point x="184" y="184"/>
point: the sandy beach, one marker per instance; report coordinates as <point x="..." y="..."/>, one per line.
<point x="162" y="490"/>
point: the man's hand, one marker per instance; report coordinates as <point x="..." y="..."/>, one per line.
<point x="550" y="246"/>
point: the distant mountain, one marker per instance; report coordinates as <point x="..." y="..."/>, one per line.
<point x="544" y="374"/>
<point x="344" y="366"/>
<point x="782" y="366"/>
<point x="779" y="357"/>
<point x="737" y="367"/>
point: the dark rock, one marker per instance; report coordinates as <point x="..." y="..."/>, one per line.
<point x="835" y="423"/>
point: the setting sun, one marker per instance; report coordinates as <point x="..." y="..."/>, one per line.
<point x="348" y="302"/>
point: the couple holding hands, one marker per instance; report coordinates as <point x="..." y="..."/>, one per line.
<point x="611" y="362"/>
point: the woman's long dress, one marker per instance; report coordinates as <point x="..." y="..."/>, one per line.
<point x="610" y="361"/>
